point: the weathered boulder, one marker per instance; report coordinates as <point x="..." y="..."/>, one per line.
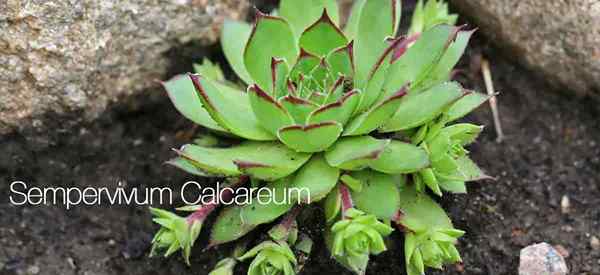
<point x="559" y="39"/>
<point x="77" y="56"/>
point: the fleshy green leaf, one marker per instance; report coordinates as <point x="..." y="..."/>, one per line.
<point x="322" y="37"/>
<point x="183" y="95"/>
<point x="234" y="36"/>
<point x="341" y="61"/>
<point x="463" y="133"/>
<point x="230" y="108"/>
<point x="305" y="64"/>
<point x="228" y="226"/>
<point x="262" y="160"/>
<point x="339" y="111"/>
<point x="279" y="74"/>
<point x="378" y="21"/>
<point x="352" y="25"/>
<point x="401" y="158"/>
<point x="417" y="109"/>
<point x="332" y="205"/>
<point x="376" y="77"/>
<point x="310" y="189"/>
<point x="379" y="195"/>
<point x="271" y="38"/>
<point x="187" y="166"/>
<point x="312" y="137"/>
<point x="444" y="67"/>
<point x="301" y="14"/>
<point x="417" y="62"/>
<point x="209" y="70"/>
<point x="376" y="116"/>
<point x="456" y="187"/>
<point x="467" y="171"/>
<point x="269" y="204"/>
<point x="355" y="153"/>
<point x="420" y="212"/>
<point x="298" y="108"/>
<point x="466" y="104"/>
<point x="268" y="111"/>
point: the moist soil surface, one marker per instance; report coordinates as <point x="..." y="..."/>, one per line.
<point x="551" y="150"/>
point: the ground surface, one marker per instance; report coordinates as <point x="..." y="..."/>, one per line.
<point x="552" y="149"/>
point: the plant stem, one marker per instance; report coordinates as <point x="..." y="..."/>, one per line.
<point x="290" y="217"/>
<point x="208" y="208"/>
<point x="346" y="199"/>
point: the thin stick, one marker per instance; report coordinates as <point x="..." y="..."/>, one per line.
<point x="489" y="86"/>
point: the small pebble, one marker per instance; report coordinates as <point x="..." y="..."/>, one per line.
<point x="541" y="259"/>
<point x="595" y="243"/>
<point x="565" y="204"/>
<point x="33" y="270"/>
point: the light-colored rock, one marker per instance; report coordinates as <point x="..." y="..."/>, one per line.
<point x="541" y="259"/>
<point x="77" y="56"/>
<point x="556" y="38"/>
<point x="595" y="243"/>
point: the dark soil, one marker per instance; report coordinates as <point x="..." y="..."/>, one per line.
<point x="552" y="149"/>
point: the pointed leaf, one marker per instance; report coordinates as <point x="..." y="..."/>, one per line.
<point x="254" y="158"/>
<point x="379" y="195"/>
<point x="183" y="95"/>
<point x="376" y="116"/>
<point x="341" y="61"/>
<point x="378" y="20"/>
<point x="467" y="171"/>
<point x="298" y="108"/>
<point x="314" y="180"/>
<point x="417" y="62"/>
<point x="269" y="112"/>
<point x="310" y="138"/>
<point x="401" y="158"/>
<point x="230" y="108"/>
<point x="444" y="67"/>
<point x="234" y="36"/>
<point x="322" y="37"/>
<point x="261" y="47"/>
<point x="377" y="75"/>
<point x="463" y="133"/>
<point x="270" y="202"/>
<point x="355" y="153"/>
<point x="417" y="109"/>
<point x="228" y="226"/>
<point x="339" y="111"/>
<point x="466" y="104"/>
<point x="420" y="212"/>
<point x="301" y="14"/>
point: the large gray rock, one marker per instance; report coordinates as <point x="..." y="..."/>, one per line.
<point x="70" y="56"/>
<point x="558" y="38"/>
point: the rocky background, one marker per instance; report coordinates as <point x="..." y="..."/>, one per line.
<point x="74" y="57"/>
<point x="557" y="39"/>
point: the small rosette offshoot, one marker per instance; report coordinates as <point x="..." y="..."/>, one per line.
<point x="271" y="258"/>
<point x="176" y="233"/>
<point x="357" y="236"/>
<point x="432" y="248"/>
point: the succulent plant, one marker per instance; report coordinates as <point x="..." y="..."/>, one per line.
<point x="359" y="118"/>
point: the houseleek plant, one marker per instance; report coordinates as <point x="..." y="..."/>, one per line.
<point x="360" y="117"/>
